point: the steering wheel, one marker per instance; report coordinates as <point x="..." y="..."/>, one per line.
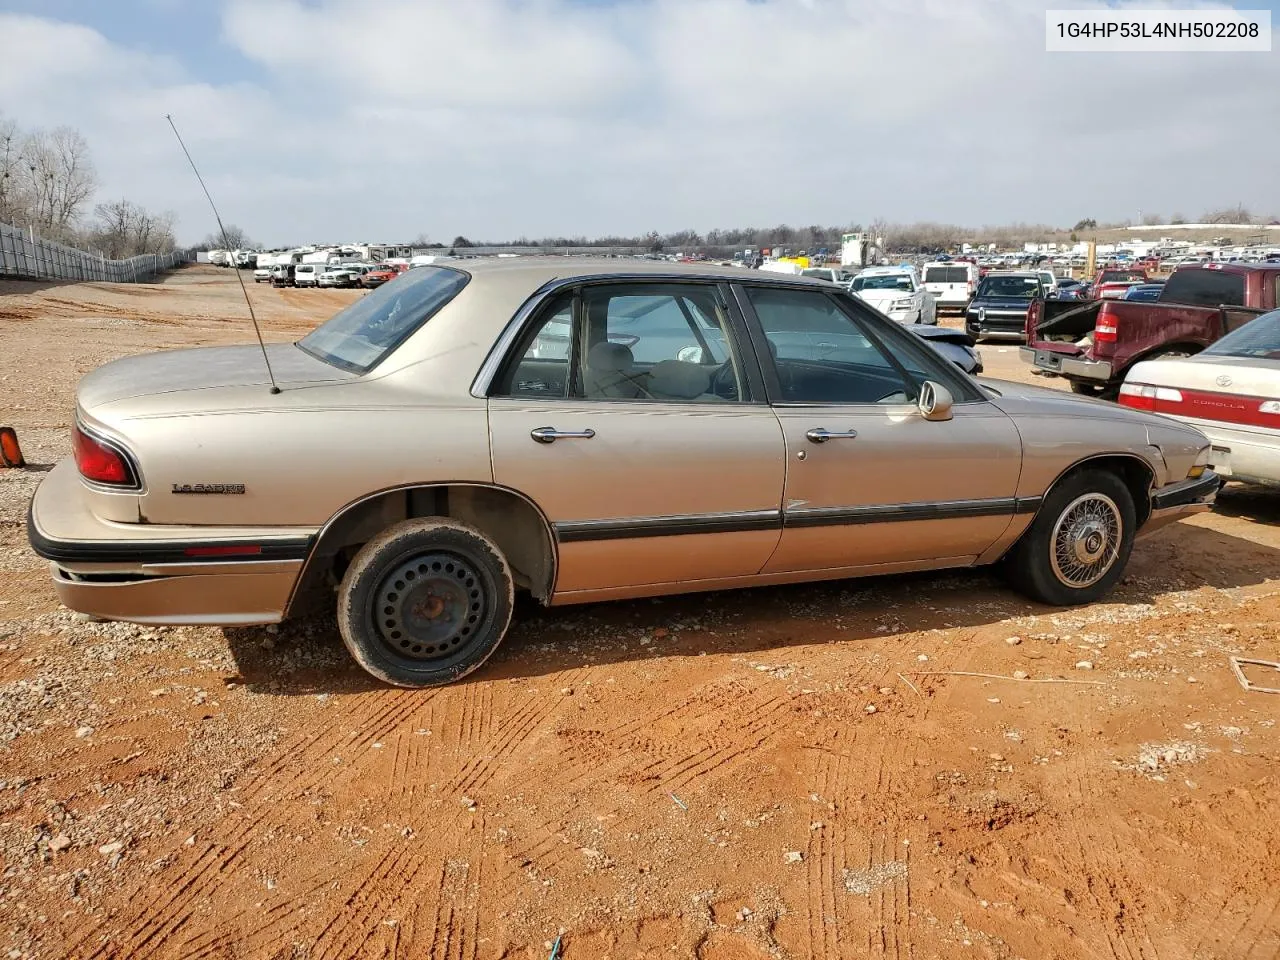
<point x="724" y="384"/>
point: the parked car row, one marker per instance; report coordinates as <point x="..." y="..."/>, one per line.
<point x="332" y="275"/>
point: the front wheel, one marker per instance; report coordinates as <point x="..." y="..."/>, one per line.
<point x="425" y="602"/>
<point x="1077" y="547"/>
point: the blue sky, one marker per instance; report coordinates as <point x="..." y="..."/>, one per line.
<point x="331" y="120"/>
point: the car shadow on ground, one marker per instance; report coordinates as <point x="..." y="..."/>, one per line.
<point x="1250" y="502"/>
<point x="307" y="657"/>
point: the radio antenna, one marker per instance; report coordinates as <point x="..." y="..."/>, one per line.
<point x="223" y="230"/>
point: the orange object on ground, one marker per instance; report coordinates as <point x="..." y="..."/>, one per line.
<point x="10" y="452"/>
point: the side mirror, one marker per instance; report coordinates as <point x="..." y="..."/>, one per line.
<point x="690" y="355"/>
<point x="935" y="401"/>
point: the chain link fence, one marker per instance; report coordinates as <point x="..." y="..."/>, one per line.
<point x="27" y="257"/>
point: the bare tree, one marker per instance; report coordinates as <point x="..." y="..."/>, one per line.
<point x="236" y="239"/>
<point x="12" y="186"/>
<point x="1151" y="219"/>
<point x="125" y="229"/>
<point x="1236" y="214"/>
<point x="59" y="179"/>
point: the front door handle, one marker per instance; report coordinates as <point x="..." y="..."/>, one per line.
<point x="551" y="434"/>
<point x="822" y="435"/>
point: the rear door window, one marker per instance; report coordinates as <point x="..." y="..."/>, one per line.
<point x="1204" y="288"/>
<point x="657" y="342"/>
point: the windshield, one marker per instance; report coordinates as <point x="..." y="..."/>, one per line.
<point x="885" y="282"/>
<point x="1258" y="339"/>
<point x="1010" y="286"/>
<point x="946" y="275"/>
<point x="359" y="337"/>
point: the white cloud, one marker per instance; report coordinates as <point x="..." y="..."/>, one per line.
<point x="551" y="116"/>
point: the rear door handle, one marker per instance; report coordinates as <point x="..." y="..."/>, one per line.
<point x="551" y="434"/>
<point x="822" y="435"/>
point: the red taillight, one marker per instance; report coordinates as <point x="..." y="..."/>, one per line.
<point x="100" y="462"/>
<point x="1142" y="396"/>
<point x="1106" y="329"/>
<point x="1033" y="320"/>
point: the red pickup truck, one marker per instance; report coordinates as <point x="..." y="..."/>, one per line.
<point x="1114" y="281"/>
<point x="1094" y="343"/>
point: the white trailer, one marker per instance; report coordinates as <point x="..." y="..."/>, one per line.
<point x="858" y="250"/>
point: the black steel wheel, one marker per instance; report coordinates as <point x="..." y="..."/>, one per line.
<point x="425" y="602"/>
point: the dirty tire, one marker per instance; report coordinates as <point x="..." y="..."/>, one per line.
<point x="425" y="602"/>
<point x="1077" y="547"/>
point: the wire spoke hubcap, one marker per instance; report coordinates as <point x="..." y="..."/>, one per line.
<point x="1086" y="540"/>
<point x="429" y="606"/>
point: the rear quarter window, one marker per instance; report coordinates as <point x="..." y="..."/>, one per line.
<point x="1204" y="288"/>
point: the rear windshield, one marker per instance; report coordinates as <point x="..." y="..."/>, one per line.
<point x="1258" y="339"/>
<point x="890" y="281"/>
<point x="1010" y="286"/>
<point x="1121" y="276"/>
<point x="1204" y="288"/>
<point x="946" y="275"/>
<point x="361" y="336"/>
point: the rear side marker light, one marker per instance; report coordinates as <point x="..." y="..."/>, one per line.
<point x="229" y="550"/>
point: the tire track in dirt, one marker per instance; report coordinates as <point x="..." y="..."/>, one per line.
<point x="511" y="734"/>
<point x="820" y="905"/>
<point x="185" y="880"/>
<point x="1088" y="866"/>
<point x="1255" y="932"/>
<point x="545" y="845"/>
<point x="265" y="807"/>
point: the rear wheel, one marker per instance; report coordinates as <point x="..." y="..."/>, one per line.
<point x="1077" y="547"/>
<point x="425" y="602"/>
<point x="1103" y="391"/>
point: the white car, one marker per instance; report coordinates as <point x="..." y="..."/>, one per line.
<point x="308" y="274"/>
<point x="897" y="293"/>
<point x="261" y="274"/>
<point x="1231" y="392"/>
<point x="344" y="275"/>
<point x="951" y="282"/>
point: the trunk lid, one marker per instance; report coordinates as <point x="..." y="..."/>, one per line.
<point x="202" y="368"/>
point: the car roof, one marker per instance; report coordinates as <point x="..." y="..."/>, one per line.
<point x="539" y="270"/>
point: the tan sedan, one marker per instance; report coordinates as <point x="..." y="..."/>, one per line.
<point x="581" y="431"/>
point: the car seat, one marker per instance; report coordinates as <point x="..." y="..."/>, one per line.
<point x="610" y="373"/>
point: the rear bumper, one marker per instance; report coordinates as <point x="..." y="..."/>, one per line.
<point x="1251" y="454"/>
<point x="1068" y="366"/>
<point x="161" y="574"/>
<point x="1183" y="499"/>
